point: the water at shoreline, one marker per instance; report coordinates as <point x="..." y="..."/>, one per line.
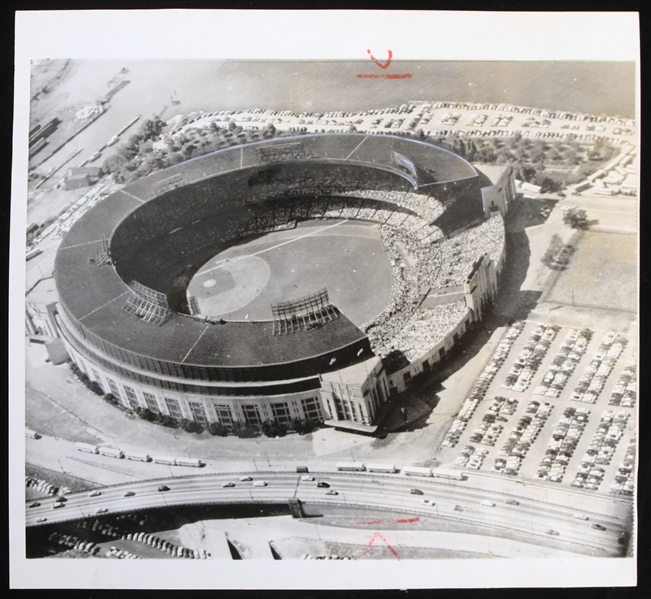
<point x="590" y="87"/>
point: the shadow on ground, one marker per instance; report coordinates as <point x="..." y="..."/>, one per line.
<point x="410" y="410"/>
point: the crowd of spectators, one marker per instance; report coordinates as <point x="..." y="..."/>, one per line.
<point x="460" y="252"/>
<point x="425" y="329"/>
<point x="421" y="257"/>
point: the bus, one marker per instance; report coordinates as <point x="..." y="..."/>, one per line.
<point x="449" y="474"/>
<point x="160" y="459"/>
<point x="382" y="468"/>
<point x="192" y="462"/>
<point x="111" y="452"/>
<point x="350" y="467"/>
<point x="416" y="471"/>
<point x="137" y="456"/>
<point x="87" y="448"/>
<point x="33" y="253"/>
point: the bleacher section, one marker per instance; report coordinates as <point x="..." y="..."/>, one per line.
<point x="146" y="304"/>
<point x="303" y="314"/>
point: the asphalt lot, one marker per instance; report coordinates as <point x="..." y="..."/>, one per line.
<point x="533" y="458"/>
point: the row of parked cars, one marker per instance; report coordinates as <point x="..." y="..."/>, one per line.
<point x="624" y="483"/>
<point x="624" y="393"/>
<point x="530" y="357"/>
<point x="601" y="450"/>
<point x="73" y="542"/>
<point x="113" y="531"/>
<point x="562" y="444"/>
<point x="522" y="436"/>
<point x="564" y="363"/>
<point x="594" y="377"/>
<point x="471" y="457"/>
<point x="481" y="386"/>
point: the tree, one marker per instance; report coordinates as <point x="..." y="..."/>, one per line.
<point x="168" y="421"/>
<point x="577" y="218"/>
<point x="269" y="130"/>
<point x="95" y="388"/>
<point x="146" y="414"/>
<point x="217" y="429"/>
<point x="301" y="426"/>
<point x="191" y="426"/>
<point x="152" y="128"/>
<point x="269" y="428"/>
<point x="528" y="173"/>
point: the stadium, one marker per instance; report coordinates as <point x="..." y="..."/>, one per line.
<point x="298" y="278"/>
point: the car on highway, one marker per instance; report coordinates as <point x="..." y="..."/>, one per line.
<point x="95" y="494"/>
<point x="552" y="532"/>
<point x="331" y="492"/>
<point x="322" y="484"/>
<point x="487" y="503"/>
<point x="41" y="520"/>
<point x="58" y="505"/>
<point x="598" y="527"/>
<point x="245" y="478"/>
<point x="416" y="492"/>
<point x="35" y="504"/>
<point x="60" y="499"/>
<point x="512" y="502"/>
<point x="129" y="494"/>
<point x="428" y="502"/>
<point x="102" y="510"/>
<point x="580" y="517"/>
<point x="259" y="483"/>
<point x="229" y="484"/>
<point x="307" y="478"/>
<point x="163" y="488"/>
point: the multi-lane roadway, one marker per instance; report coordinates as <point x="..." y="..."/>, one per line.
<point x="478" y="508"/>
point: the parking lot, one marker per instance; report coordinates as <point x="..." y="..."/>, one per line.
<point x="555" y="405"/>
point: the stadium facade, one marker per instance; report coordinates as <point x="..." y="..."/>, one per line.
<point x="123" y="270"/>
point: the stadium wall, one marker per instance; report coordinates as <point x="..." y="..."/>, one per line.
<point x="198" y="208"/>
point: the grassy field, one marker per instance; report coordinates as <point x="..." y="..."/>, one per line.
<point x="348" y="260"/>
<point x="601" y="274"/>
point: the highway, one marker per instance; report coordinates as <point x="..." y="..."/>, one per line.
<point x="359" y="490"/>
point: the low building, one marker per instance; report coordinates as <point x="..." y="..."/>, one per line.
<point x="77" y="177"/>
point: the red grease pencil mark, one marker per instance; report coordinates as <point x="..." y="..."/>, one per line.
<point x="408" y="520"/>
<point x="374" y="537"/>
<point x="385" y="76"/>
<point x="402" y="521"/>
<point x="381" y="65"/>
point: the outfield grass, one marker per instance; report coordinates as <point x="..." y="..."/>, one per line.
<point x="349" y="260"/>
